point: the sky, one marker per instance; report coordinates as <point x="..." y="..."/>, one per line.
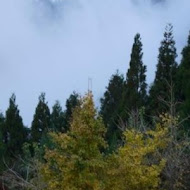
<point x="54" y="46"/>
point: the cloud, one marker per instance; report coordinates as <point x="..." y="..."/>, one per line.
<point x="55" y="45"/>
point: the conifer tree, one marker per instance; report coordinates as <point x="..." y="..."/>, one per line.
<point x="14" y="133"/>
<point x="76" y="161"/>
<point x="57" y="118"/>
<point x="135" y="92"/>
<point x="71" y="103"/>
<point x="110" y="108"/>
<point x="136" y="77"/>
<point x="165" y="73"/>
<point x="2" y="144"/>
<point x="2" y="122"/>
<point x="183" y="80"/>
<point x="41" y="121"/>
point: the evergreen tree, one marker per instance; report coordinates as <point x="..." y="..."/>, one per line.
<point x="14" y="133"/>
<point x="183" y="80"/>
<point x="110" y="107"/>
<point x="41" y="121"/>
<point x="165" y="73"/>
<point x="71" y="103"/>
<point x="2" y="123"/>
<point x="135" y="92"/>
<point x="2" y="144"/>
<point x="57" y="118"/>
<point x="136" y="77"/>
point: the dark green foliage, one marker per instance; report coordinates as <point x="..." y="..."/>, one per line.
<point x="183" y="81"/>
<point x="2" y="123"/>
<point x="41" y="122"/>
<point x="135" y="92"/>
<point x="165" y="74"/>
<point x="136" y="77"/>
<point x="14" y="133"/>
<point x="110" y="108"/>
<point x="122" y="97"/>
<point x="57" y="118"/>
<point x="71" y="103"/>
<point x="2" y="145"/>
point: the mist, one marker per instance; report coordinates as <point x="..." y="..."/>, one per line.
<point x="54" y="46"/>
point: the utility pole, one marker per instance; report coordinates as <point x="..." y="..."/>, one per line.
<point x="89" y="85"/>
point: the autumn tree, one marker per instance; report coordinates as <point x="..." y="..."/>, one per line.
<point x="136" y="165"/>
<point x="76" y="161"/>
<point x="176" y="171"/>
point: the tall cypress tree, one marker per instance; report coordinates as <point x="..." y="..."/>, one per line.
<point x="2" y="128"/>
<point x="183" y="80"/>
<point x="41" y="121"/>
<point x="2" y="144"/>
<point x="165" y="73"/>
<point x="135" y="92"/>
<point x="14" y="133"/>
<point x="71" y="103"/>
<point x="57" y="118"/>
<point x="110" y="108"/>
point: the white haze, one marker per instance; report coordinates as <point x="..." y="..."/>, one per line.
<point x="53" y="46"/>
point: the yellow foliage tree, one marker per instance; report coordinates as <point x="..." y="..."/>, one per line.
<point x="136" y="165"/>
<point x="76" y="162"/>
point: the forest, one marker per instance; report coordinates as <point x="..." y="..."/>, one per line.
<point x="139" y="139"/>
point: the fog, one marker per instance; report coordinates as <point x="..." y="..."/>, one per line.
<point x="54" y="46"/>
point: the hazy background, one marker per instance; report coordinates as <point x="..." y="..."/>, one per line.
<point x="53" y="46"/>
